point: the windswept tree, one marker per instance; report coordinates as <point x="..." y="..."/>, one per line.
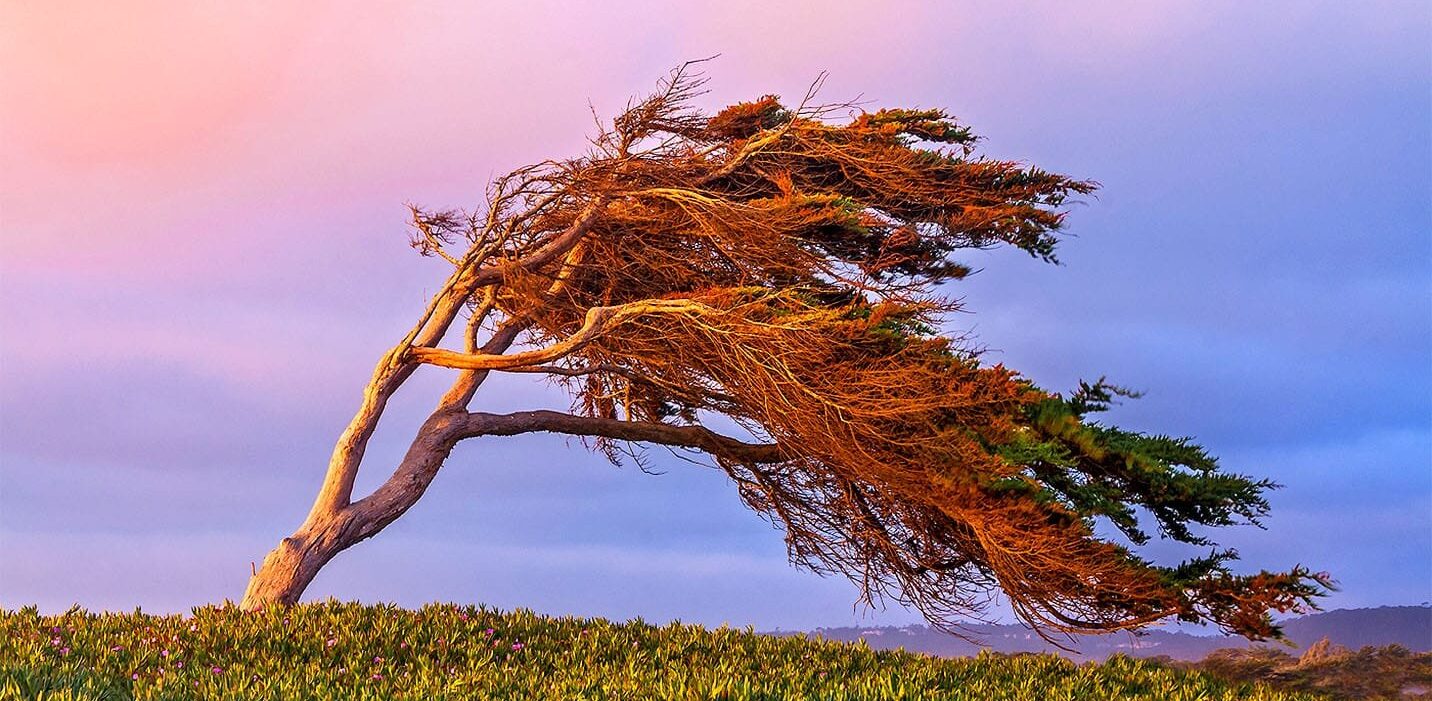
<point x="776" y="274"/>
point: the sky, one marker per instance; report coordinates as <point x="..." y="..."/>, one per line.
<point x="203" y="250"/>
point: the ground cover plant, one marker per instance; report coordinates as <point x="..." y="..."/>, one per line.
<point x="1373" y="672"/>
<point x="337" y="650"/>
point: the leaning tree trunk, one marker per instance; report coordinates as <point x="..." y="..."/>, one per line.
<point x="336" y="522"/>
<point x="335" y="525"/>
<point x="289" y="568"/>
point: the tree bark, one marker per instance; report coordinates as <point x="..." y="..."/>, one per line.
<point x="336" y="522"/>
<point x="289" y="568"/>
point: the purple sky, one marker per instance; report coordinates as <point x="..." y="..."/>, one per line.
<point x="204" y="251"/>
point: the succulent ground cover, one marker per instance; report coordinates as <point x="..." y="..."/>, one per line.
<point x="353" y="651"/>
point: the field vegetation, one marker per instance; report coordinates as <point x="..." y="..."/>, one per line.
<point x="339" y="650"/>
<point x="1373" y="672"/>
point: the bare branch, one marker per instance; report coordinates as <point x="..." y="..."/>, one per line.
<point x="690" y="436"/>
<point x="550" y="250"/>
<point x="598" y="320"/>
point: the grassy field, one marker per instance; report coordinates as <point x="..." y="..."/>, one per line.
<point x="349" y="651"/>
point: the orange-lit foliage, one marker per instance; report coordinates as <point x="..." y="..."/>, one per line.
<point x="781" y="268"/>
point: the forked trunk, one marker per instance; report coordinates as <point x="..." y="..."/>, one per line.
<point x="335" y="524"/>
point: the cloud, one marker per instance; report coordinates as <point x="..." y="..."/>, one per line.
<point x="203" y="252"/>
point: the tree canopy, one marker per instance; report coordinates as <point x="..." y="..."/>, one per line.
<point x="780" y="272"/>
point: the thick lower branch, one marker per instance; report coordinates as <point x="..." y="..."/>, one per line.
<point x="698" y="437"/>
<point x="291" y="566"/>
<point x="408" y="483"/>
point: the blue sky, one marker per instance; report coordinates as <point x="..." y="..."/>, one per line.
<point x="202" y="252"/>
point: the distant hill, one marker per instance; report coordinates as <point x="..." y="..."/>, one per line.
<point x="1408" y="626"/>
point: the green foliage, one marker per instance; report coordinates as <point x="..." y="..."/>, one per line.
<point x="746" y="119"/>
<point x="350" y="651"/>
<point x="914" y="126"/>
<point x="1097" y="471"/>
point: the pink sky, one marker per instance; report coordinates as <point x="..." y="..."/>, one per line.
<point x="197" y="200"/>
